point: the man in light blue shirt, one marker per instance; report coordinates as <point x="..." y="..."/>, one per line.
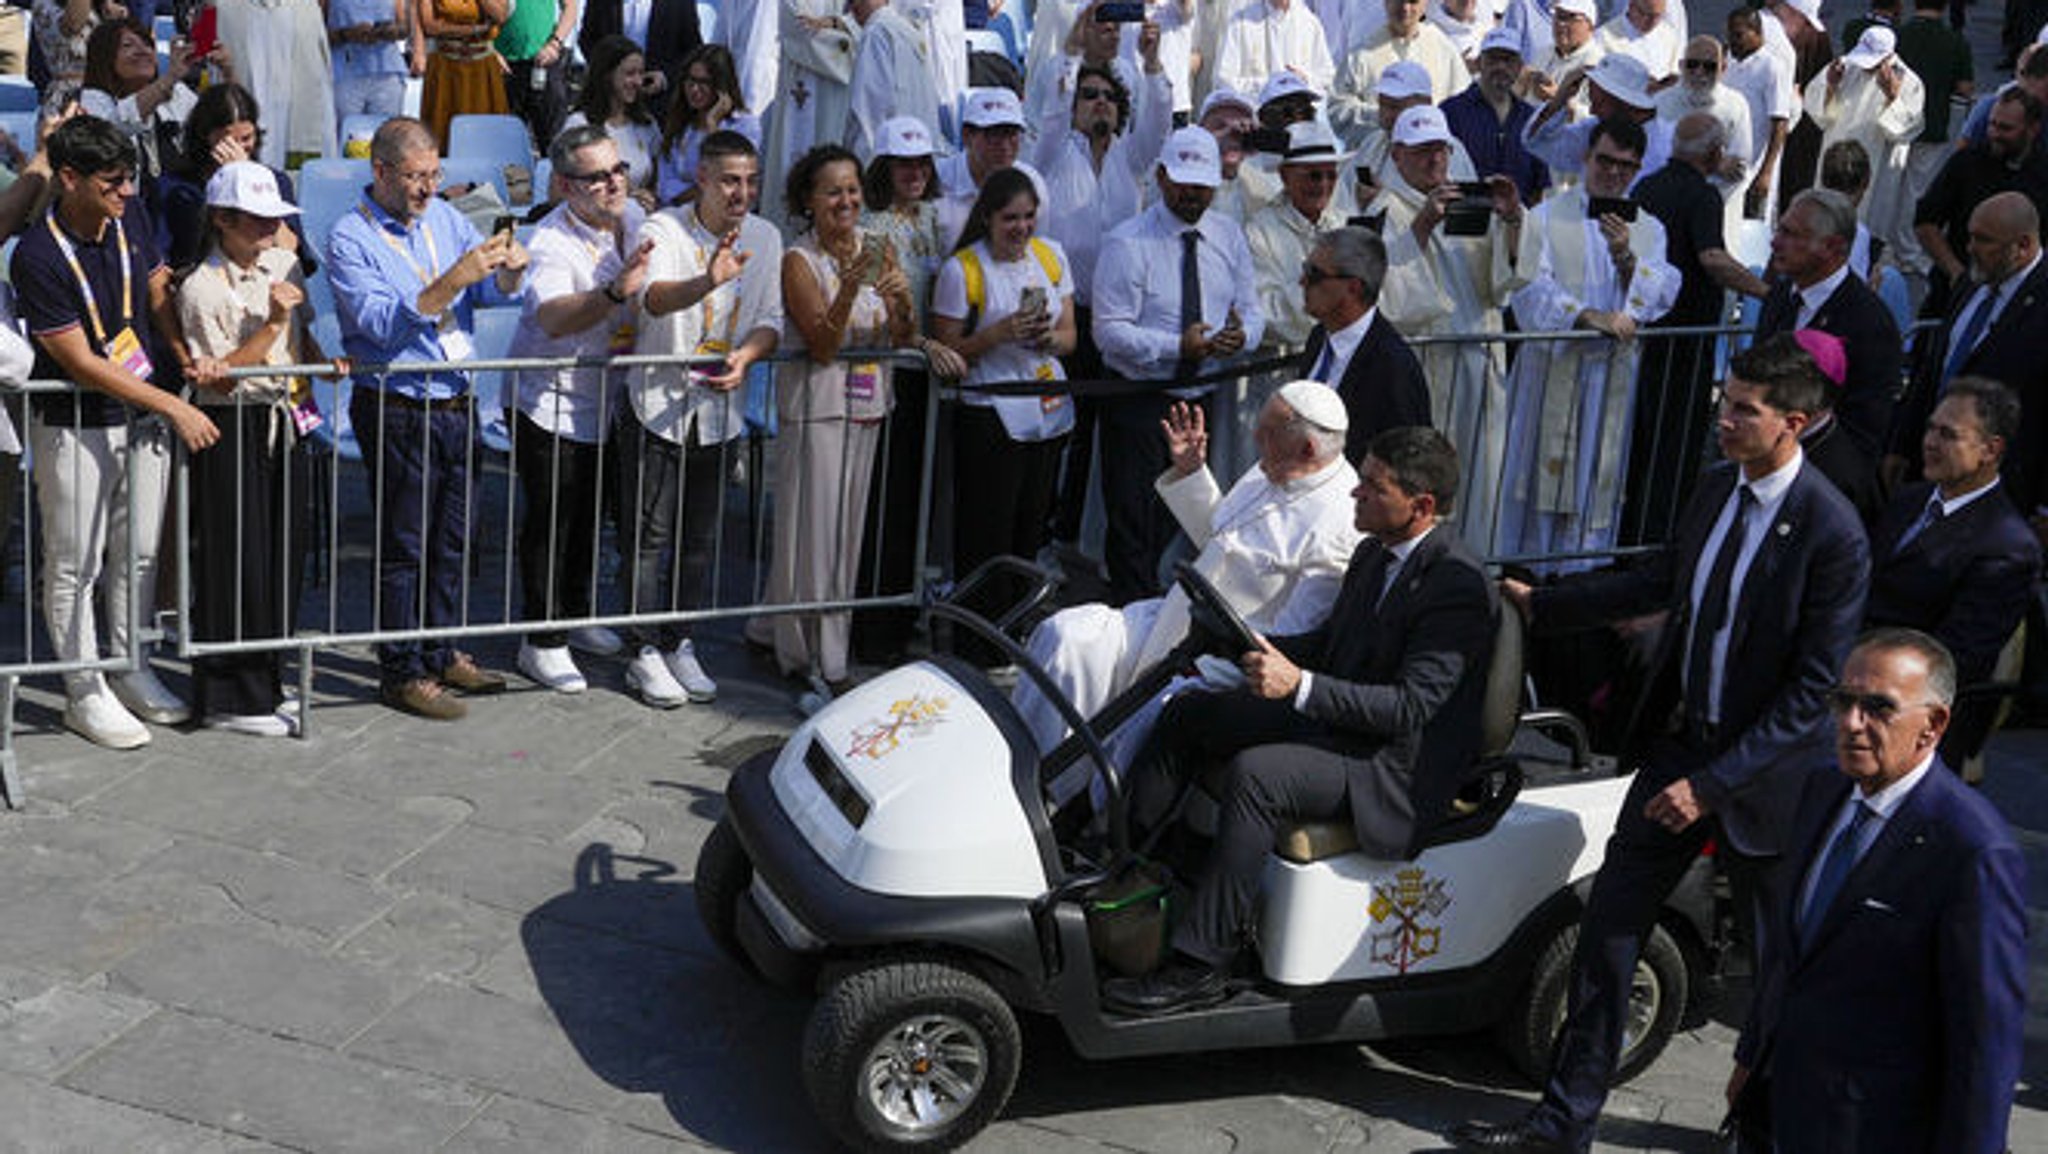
<point x="408" y="271"/>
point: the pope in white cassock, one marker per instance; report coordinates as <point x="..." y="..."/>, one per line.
<point x="1572" y="402"/>
<point x="1871" y="97"/>
<point x="1275" y="546"/>
<point x="811" y="94"/>
<point x="1440" y="284"/>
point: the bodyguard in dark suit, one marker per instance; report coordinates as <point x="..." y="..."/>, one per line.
<point x="1951" y="556"/>
<point x="1367" y="362"/>
<point x="1816" y="289"/>
<point x="1888" y="1017"/>
<point x="1764" y="587"/>
<point x="672" y="33"/>
<point x="2004" y="343"/>
<point x="1375" y="716"/>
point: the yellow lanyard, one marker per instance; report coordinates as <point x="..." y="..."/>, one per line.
<point x="427" y="275"/>
<point x="92" y="305"/>
<point x="714" y="340"/>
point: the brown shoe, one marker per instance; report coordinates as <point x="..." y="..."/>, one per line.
<point x="424" y="697"/>
<point x="463" y="673"/>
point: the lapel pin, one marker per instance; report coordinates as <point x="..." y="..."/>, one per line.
<point x="1784" y="528"/>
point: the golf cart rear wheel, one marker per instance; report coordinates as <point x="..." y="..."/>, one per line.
<point x="723" y="875"/>
<point x="1656" y="1001"/>
<point x="910" y="1056"/>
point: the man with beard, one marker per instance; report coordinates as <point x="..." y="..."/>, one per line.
<point x="1439" y="283"/>
<point x="2011" y="160"/>
<point x="1173" y="295"/>
<point x="1700" y="90"/>
<point x="1049" y="88"/>
<point x="1282" y="233"/>
<point x="1488" y="118"/>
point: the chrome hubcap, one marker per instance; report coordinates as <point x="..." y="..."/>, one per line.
<point x="1645" y="1001"/>
<point x="926" y="1071"/>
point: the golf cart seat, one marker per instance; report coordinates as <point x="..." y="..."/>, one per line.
<point x="1485" y="796"/>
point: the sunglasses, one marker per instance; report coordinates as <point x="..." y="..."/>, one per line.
<point x="602" y="176"/>
<point x="1091" y="92"/>
<point x="1311" y="275"/>
<point x="1699" y="65"/>
<point x="1876" y="706"/>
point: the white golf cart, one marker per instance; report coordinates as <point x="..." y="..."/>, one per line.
<point x="899" y="857"/>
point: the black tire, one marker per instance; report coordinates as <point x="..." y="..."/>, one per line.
<point x="1656" y="1005"/>
<point x="874" y="1028"/>
<point x="723" y="875"/>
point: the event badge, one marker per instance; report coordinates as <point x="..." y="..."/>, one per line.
<point x="622" y="340"/>
<point x="126" y="351"/>
<point x="455" y="343"/>
<point x="1048" y="403"/>
<point x="862" y="381"/>
<point x="305" y="414"/>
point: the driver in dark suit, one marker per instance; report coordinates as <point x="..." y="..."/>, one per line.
<point x="1375" y="716"/>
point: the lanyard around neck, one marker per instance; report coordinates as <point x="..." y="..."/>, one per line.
<point x="92" y="305"/>
<point x="427" y="275"/>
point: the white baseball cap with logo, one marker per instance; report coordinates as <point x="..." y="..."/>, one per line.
<point x="1872" y="47"/>
<point x="992" y="108"/>
<point x="1403" y="79"/>
<point x="1190" y="157"/>
<point x="1221" y="97"/>
<point x="1423" y="124"/>
<point x="1585" y="8"/>
<point x="1809" y="9"/>
<point x="1624" y="78"/>
<point x="1282" y="85"/>
<point x="904" y="136"/>
<point x="247" y="186"/>
<point x="1500" y="39"/>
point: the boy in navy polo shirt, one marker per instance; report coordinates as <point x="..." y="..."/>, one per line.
<point x="97" y="300"/>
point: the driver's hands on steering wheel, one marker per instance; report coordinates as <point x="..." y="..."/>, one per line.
<point x="1268" y="673"/>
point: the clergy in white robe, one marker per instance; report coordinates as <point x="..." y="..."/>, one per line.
<point x="1282" y="233"/>
<point x="1642" y="32"/>
<point x="1404" y="36"/>
<point x="945" y="25"/>
<point x="1871" y="97"/>
<point x="892" y="76"/>
<point x="1443" y="285"/>
<point x="1269" y="36"/>
<point x="812" y="100"/>
<point x="1559" y="50"/>
<point x="1572" y="403"/>
<point x="752" y="31"/>
<point x="1275" y="546"/>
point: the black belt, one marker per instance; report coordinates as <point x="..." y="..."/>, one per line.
<point x="459" y="402"/>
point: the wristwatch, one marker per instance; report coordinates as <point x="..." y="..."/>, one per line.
<point x="612" y="293"/>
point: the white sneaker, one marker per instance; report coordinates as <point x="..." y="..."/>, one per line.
<point x="649" y="676"/>
<point x="100" y="718"/>
<point x="148" y="698"/>
<point x="595" y="640"/>
<point x="551" y="667"/>
<point x="250" y="724"/>
<point x="690" y="675"/>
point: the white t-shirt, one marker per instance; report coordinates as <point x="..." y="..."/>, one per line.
<point x="1003" y="284"/>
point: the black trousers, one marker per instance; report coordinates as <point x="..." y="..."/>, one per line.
<point x="1083" y="364"/>
<point x="888" y="550"/>
<point x="1643" y="865"/>
<point x="1005" y="487"/>
<point x="1279" y="768"/>
<point x="247" y="562"/>
<point x="541" y="108"/>
<point x="669" y="499"/>
<point x="1133" y="455"/>
<point x="1675" y="390"/>
<point x="563" y="489"/>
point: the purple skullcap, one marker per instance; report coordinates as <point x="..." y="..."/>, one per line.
<point x="1828" y="353"/>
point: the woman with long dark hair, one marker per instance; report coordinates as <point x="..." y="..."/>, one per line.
<point x="615" y="99"/>
<point x="224" y="126"/>
<point x="709" y="101"/>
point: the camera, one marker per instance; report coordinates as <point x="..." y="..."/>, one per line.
<point x="1621" y="206"/>
<point x="1471" y="213"/>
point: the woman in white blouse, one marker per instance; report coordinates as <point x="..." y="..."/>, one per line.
<point x="615" y="98"/>
<point x="122" y="85"/>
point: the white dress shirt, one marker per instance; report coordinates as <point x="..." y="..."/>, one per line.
<point x="1137" y="291"/>
<point x="1340" y="345"/>
<point x="1770" y="493"/>
<point x="1816" y="294"/>
<point x="664" y="397"/>
<point x="1883" y="806"/>
<point x="571" y="256"/>
<point x="1396" y="561"/>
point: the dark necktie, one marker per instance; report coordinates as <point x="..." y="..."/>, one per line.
<point x="1324" y="364"/>
<point x="1713" y="606"/>
<point x="1963" y="342"/>
<point x="1834" y="870"/>
<point x="1190" y="297"/>
<point x="1929" y="518"/>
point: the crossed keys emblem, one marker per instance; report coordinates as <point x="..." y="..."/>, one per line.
<point x="881" y="737"/>
<point x="1412" y="895"/>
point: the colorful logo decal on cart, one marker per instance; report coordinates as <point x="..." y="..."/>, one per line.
<point x="1413" y="896"/>
<point x="910" y="717"/>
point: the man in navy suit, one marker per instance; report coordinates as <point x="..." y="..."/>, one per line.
<point x="1764" y="589"/>
<point x="1353" y="349"/>
<point x="1816" y="289"/>
<point x="1951" y="556"/>
<point x="1993" y="331"/>
<point x="1374" y="717"/>
<point x="1888" y="1017"/>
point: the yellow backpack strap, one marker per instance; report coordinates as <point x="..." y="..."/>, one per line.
<point x="1046" y="260"/>
<point x="977" y="288"/>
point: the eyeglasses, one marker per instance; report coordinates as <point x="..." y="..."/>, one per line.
<point x="699" y="81"/>
<point x="1699" y="65"/>
<point x="1616" y="163"/>
<point x="1311" y="275"/>
<point x="1091" y="92"/>
<point x="1877" y="707"/>
<point x="602" y="176"/>
<point x="428" y="179"/>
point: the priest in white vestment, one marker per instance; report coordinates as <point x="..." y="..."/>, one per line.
<point x="1572" y="403"/>
<point x="892" y="74"/>
<point x="1642" y="32"/>
<point x="1871" y="97"/>
<point x="812" y="98"/>
<point x="1271" y="36"/>
<point x="752" y="31"/>
<point x="1406" y="35"/>
<point x="1282" y="234"/>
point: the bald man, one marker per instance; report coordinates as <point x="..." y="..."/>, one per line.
<point x="2004" y="343"/>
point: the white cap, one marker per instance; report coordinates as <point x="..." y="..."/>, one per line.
<point x="1809" y="9"/>
<point x="992" y="108"/>
<point x="904" y="136"/>
<point x="1876" y="43"/>
<point x="2041" y="37"/>
<point x="1624" y="78"/>
<point x="1584" y="8"/>
<point x="1403" y="79"/>
<point x="1283" y="84"/>
<point x="1221" y="97"/>
<point x="1190" y="158"/>
<point x="1500" y="39"/>
<point x="248" y="187"/>
<point x="1312" y="142"/>
<point x="1422" y="124"/>
<point x="1316" y="403"/>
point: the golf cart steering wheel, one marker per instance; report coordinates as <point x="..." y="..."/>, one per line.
<point x="1211" y="613"/>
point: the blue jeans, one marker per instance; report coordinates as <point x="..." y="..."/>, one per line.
<point x="422" y="472"/>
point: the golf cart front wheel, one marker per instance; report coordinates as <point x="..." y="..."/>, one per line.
<point x="723" y="875"/>
<point x="910" y="1056"/>
<point x="1656" y="1001"/>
